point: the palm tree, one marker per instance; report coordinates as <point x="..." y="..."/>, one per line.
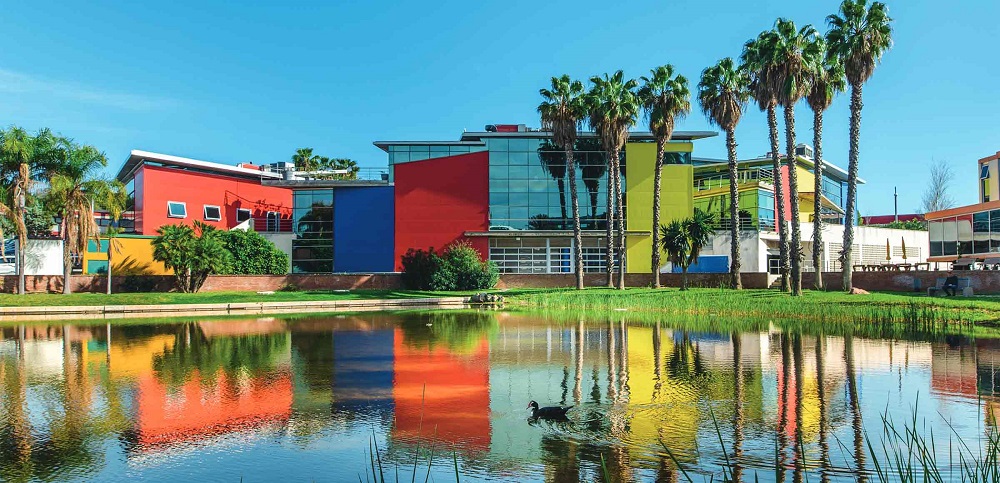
<point x="23" y="158"/>
<point x="592" y="168"/>
<point x="613" y="108"/>
<point x="114" y="199"/>
<point x="562" y="108"/>
<point x="858" y="36"/>
<point x="684" y="239"/>
<point x="664" y="97"/>
<point x="827" y="80"/>
<point x="305" y="160"/>
<point x="758" y="61"/>
<point x="796" y="52"/>
<point x="723" y="92"/>
<point x="73" y="191"/>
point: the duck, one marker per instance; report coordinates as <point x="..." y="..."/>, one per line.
<point x="552" y="412"/>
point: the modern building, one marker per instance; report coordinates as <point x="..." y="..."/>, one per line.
<point x="971" y="231"/>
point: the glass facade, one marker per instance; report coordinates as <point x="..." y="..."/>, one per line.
<point x="312" y="217"/>
<point x="976" y="233"/>
<point x="529" y="185"/>
<point x="756" y="208"/>
<point x="419" y="152"/>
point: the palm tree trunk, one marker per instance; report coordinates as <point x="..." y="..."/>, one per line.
<point x="684" y="277"/>
<point x="609" y="216"/>
<point x="619" y="221"/>
<point x="67" y="256"/>
<point x="852" y="187"/>
<point x="734" y="214"/>
<point x="818" y="196"/>
<point x="795" y="250"/>
<point x="22" y="244"/>
<point x="575" y="204"/>
<point x="657" y="179"/>
<point x="779" y="197"/>
<point x="110" y="249"/>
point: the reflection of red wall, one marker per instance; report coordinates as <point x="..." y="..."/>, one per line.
<point x="159" y="185"/>
<point x="197" y="410"/>
<point x="457" y="398"/>
<point x="437" y="200"/>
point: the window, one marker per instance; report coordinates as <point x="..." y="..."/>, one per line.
<point x="984" y="172"/>
<point x="273" y="218"/>
<point x="242" y="214"/>
<point x="212" y="213"/>
<point x="176" y="209"/>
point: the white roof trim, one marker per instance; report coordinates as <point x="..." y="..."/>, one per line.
<point x="137" y="156"/>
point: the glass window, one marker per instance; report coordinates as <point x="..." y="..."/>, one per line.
<point x="176" y="209"/>
<point x="273" y="221"/>
<point x="439" y="149"/>
<point x="498" y="158"/>
<point x="212" y="213"/>
<point x="459" y="149"/>
<point x="242" y="215"/>
<point x="419" y="156"/>
<point x="965" y="234"/>
<point x="497" y="144"/>
<point x="519" y="144"/>
<point x="984" y="172"/>
<point x="518" y="158"/>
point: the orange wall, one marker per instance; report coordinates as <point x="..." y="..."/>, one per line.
<point x="457" y="398"/>
<point x="156" y="185"/>
<point x="197" y="410"/>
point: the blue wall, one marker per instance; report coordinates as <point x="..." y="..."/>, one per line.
<point x="363" y="221"/>
<point x="708" y="264"/>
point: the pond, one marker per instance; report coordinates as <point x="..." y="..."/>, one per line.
<point x="304" y="398"/>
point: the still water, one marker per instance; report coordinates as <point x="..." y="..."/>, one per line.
<point x="303" y="399"/>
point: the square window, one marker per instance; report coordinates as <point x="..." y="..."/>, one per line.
<point x="984" y="172"/>
<point x="176" y="209"/>
<point x="242" y="215"/>
<point x="213" y="213"/>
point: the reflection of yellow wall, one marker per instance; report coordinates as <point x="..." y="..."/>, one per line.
<point x="676" y="198"/>
<point x="133" y="256"/>
<point x="133" y="359"/>
<point x="676" y="401"/>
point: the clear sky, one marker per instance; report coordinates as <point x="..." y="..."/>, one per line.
<point x="226" y="82"/>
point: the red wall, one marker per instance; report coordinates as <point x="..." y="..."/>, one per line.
<point x="437" y="200"/>
<point x="159" y="185"/>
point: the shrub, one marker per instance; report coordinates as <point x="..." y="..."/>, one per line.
<point x="192" y="256"/>
<point x="419" y="267"/>
<point x="458" y="268"/>
<point x="253" y="254"/>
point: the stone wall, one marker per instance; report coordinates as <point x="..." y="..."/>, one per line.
<point x="381" y="281"/>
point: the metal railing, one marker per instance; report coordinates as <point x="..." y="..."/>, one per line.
<point x="365" y="173"/>
<point x="264" y="225"/>
<point x="756" y="175"/>
<point x="747" y="224"/>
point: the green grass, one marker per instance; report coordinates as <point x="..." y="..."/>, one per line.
<point x="48" y="299"/>
<point x="766" y="305"/>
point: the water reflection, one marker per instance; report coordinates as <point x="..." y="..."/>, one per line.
<point x="272" y="398"/>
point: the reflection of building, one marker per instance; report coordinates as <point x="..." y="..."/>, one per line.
<point x="363" y="371"/>
<point x="442" y="395"/>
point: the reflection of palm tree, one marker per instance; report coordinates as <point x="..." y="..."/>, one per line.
<point x="737" y="408"/>
<point x="612" y="365"/>
<point x="592" y="168"/>
<point x="852" y="392"/>
<point x="824" y="445"/>
<point x="15" y="428"/>
<point x="554" y="164"/>
<point x="782" y="410"/>
<point x="578" y="386"/>
<point x="797" y="445"/>
<point x="561" y="458"/>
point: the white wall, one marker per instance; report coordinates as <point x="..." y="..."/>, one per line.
<point x="281" y="240"/>
<point x="44" y="257"/>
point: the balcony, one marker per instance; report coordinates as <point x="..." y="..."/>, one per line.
<point x="743" y="176"/>
<point x="271" y="225"/>
<point x="289" y="173"/>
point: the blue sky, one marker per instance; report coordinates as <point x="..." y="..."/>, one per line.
<point x="228" y="83"/>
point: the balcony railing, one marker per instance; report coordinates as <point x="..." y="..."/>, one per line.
<point x="756" y="175"/>
<point x="272" y="225"/>
<point x="363" y="174"/>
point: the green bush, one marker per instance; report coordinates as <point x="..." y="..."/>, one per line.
<point x="253" y="254"/>
<point x="193" y="253"/>
<point x="419" y="267"/>
<point x="458" y="268"/>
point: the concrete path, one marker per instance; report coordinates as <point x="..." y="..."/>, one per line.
<point x="16" y="314"/>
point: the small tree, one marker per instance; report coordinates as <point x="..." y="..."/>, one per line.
<point x="253" y="254"/>
<point x="192" y="253"/>
<point x="936" y="197"/>
<point x="683" y="241"/>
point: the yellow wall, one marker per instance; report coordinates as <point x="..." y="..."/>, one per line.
<point x="133" y="256"/>
<point x="806" y="182"/>
<point x="676" y="198"/>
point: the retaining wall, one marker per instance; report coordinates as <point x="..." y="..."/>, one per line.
<point x="981" y="281"/>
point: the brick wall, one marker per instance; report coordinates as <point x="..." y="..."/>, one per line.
<point x="981" y="281"/>
<point x="714" y="280"/>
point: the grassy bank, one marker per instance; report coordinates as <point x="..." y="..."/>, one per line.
<point x="48" y="299"/>
<point x="766" y="305"/>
